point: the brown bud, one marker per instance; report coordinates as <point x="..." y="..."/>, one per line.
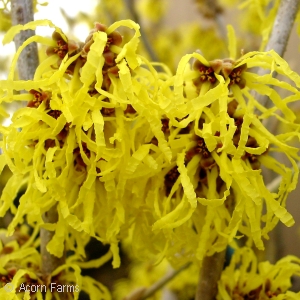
<point x="106" y="82"/>
<point x="113" y="70"/>
<point x="241" y="83"/>
<point x="100" y="27"/>
<point x="231" y="107"/>
<point x="49" y="144"/>
<point x="86" y="48"/>
<point x="255" y="165"/>
<point x="216" y="65"/>
<point x="116" y="38"/>
<point x="73" y="46"/>
<point x="56" y="36"/>
<point x="129" y="109"/>
<point x="109" y="58"/>
<point x="251" y="142"/>
<point x="227" y="69"/>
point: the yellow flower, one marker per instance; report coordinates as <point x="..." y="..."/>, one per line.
<point x="172" y="161"/>
<point x="246" y="278"/>
<point x="81" y="138"/>
<point x="21" y="276"/>
<point x="213" y="189"/>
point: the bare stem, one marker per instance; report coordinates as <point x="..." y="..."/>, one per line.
<point x="283" y="26"/>
<point x="49" y="261"/>
<point x="278" y="41"/>
<point x="210" y="274"/>
<point x="143" y="293"/>
<point x="22" y="13"/>
<point x="162" y="282"/>
<point x="280" y="34"/>
<point x="212" y="267"/>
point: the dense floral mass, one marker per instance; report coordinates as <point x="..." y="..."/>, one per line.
<point x="245" y="278"/>
<point x="20" y="270"/>
<point x="128" y="150"/>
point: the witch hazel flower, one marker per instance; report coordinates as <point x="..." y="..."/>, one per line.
<point x="71" y="142"/>
<point x="213" y="189"/>
<point x="246" y="278"/>
<point x="173" y="161"/>
<point x="21" y="276"/>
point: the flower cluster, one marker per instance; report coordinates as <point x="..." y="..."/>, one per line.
<point x="171" y="161"/>
<point x="245" y="278"/>
<point x="213" y="126"/>
<point x="21" y="276"/>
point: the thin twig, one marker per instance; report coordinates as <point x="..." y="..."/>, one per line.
<point x="143" y="293"/>
<point x="280" y="34"/>
<point x="22" y="13"/>
<point x="279" y="37"/>
<point x="163" y="281"/>
<point x="283" y="26"/>
<point x="210" y="274"/>
<point x="49" y="261"/>
<point x="212" y="267"/>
